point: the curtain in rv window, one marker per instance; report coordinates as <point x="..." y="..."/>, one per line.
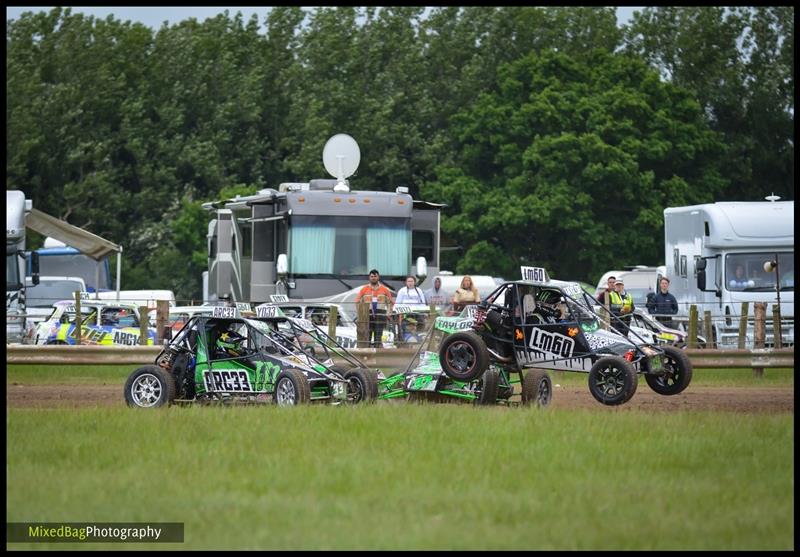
<point x="312" y="249"/>
<point x="388" y="250"/>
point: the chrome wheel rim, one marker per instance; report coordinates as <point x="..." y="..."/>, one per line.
<point x="286" y="393"/>
<point x="146" y="390"/>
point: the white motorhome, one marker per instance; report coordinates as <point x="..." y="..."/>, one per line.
<point x="17" y="207"/>
<point x="715" y="257"/>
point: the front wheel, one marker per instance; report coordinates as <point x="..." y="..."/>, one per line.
<point x="149" y="387"/>
<point x="537" y="388"/>
<point x="677" y="373"/>
<point x="463" y="356"/>
<point x="362" y="386"/>
<point x="489" y="387"/>
<point x="291" y="388"/>
<point x="612" y="380"/>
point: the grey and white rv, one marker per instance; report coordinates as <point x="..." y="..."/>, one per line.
<point x="317" y="239"/>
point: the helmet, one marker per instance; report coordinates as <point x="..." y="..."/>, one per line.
<point x="230" y="342"/>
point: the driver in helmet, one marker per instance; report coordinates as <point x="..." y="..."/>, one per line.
<point x="230" y="344"/>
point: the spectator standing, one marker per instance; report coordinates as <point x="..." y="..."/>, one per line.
<point x="379" y="297"/>
<point x="610" y="281"/>
<point x="662" y="303"/>
<point x="465" y="294"/>
<point x="409" y="294"/>
<point x="621" y="307"/>
<point x="436" y="295"/>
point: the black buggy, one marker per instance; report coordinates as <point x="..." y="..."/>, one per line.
<point x="550" y="324"/>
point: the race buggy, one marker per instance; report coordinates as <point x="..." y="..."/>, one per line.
<point x="225" y="358"/>
<point x="538" y="323"/>
<point x="427" y="381"/>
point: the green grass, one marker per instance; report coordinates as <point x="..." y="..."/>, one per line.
<point x="410" y="476"/>
<point x="116" y="375"/>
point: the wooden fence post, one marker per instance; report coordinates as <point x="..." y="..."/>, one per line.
<point x="362" y="323"/>
<point x="333" y="318"/>
<point x="162" y="320"/>
<point x="709" y="329"/>
<point x="776" y="326"/>
<point x="743" y="325"/>
<point x="78" y="318"/>
<point x="759" y="331"/>
<point x="144" y="324"/>
<point x="691" y="340"/>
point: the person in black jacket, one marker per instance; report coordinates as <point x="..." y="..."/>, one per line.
<point x="663" y="304"/>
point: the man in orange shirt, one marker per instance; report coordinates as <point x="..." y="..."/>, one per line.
<point x="378" y="295"/>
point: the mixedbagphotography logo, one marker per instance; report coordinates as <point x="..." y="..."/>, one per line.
<point x="87" y="532"/>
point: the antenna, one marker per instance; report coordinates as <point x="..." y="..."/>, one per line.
<point x="341" y="156"/>
<point x="773" y="197"/>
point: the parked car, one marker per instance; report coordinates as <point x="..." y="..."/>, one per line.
<point x="103" y="323"/>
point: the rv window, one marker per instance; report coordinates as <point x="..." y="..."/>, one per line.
<point x="247" y="242"/>
<point x="683" y="266"/>
<point x="422" y="245"/>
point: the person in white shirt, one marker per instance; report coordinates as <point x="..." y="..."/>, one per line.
<point x="409" y="294"/>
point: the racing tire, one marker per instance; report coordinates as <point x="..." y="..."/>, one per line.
<point x="291" y="388"/>
<point x="537" y="388"/>
<point x="362" y="385"/>
<point x="490" y="383"/>
<point x="464" y="356"/>
<point x="678" y="374"/>
<point x="612" y="380"/>
<point x="149" y="387"/>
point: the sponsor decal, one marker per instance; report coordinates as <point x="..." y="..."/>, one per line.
<point x="599" y="340"/>
<point x="518" y="334"/>
<point x="555" y="349"/>
<point x="550" y="342"/>
<point x="89" y="336"/>
<point x="572" y="331"/>
<point x="277" y="298"/>
<point x="421" y="383"/>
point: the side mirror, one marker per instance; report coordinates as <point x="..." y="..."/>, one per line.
<point x="35" y="267"/>
<point x="422" y="268"/>
<point x="701" y="279"/>
<point x="282" y="265"/>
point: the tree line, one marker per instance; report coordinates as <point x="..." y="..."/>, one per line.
<point x="555" y="136"/>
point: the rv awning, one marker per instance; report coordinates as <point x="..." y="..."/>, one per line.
<point x="91" y="244"/>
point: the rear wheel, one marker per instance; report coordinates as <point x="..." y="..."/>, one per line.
<point x="677" y="373"/>
<point x="489" y="386"/>
<point x="291" y="388"/>
<point x="362" y="385"/>
<point x="149" y="387"/>
<point x="612" y="380"/>
<point x="463" y="356"/>
<point x="537" y="388"/>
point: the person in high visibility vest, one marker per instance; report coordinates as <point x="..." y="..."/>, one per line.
<point x="621" y="307"/>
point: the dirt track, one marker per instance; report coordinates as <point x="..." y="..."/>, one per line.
<point x="733" y="399"/>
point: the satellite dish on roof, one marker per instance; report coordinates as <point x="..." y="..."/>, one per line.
<point x="341" y="156"/>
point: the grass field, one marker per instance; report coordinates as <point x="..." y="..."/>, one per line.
<point x="116" y="375"/>
<point x="410" y="476"/>
<point x="407" y="476"/>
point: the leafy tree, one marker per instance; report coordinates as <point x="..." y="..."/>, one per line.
<point x="570" y="164"/>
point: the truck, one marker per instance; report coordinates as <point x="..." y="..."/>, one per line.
<point x="58" y="259"/>
<point x="17" y="207"/>
<point x="318" y="239"/>
<point x="718" y="255"/>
